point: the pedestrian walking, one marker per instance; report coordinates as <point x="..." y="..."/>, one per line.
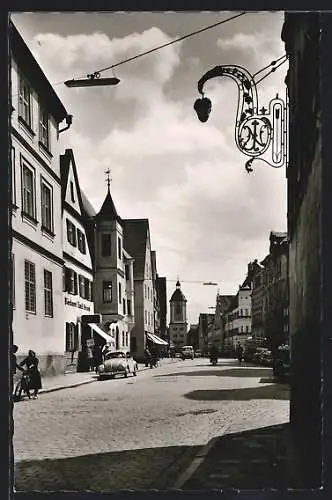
<point x="97" y="356"/>
<point x="239" y="352"/>
<point x="34" y="379"/>
<point x="147" y="356"/>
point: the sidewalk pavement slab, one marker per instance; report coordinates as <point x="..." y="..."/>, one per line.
<point x="252" y="460"/>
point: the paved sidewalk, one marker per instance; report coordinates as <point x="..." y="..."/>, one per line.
<point x="261" y="458"/>
<point x="69" y="380"/>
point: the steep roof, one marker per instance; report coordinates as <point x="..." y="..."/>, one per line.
<point x="135" y="239"/>
<point x="178" y="295"/>
<point x="66" y="160"/>
<point x="33" y="72"/>
<point x="108" y="210"/>
<point x="88" y="208"/>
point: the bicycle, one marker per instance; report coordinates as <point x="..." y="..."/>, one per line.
<point x="22" y="386"/>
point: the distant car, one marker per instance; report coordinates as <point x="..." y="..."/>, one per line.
<point x="257" y="357"/>
<point x="178" y="355"/>
<point x="266" y="358"/>
<point x="198" y="354"/>
<point x="117" y="363"/>
<point x="187" y="352"/>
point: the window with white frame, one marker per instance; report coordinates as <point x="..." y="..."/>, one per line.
<point x="48" y="293"/>
<point x="46" y="206"/>
<point x="30" y="286"/>
<point x="13" y="177"/>
<point x="71" y="233"/>
<point x="120" y="294"/>
<point x="107" y="291"/>
<point x="81" y="286"/>
<point x="71" y="337"/>
<point x="123" y="339"/>
<point x="28" y="190"/>
<point x="146" y="317"/>
<point x="88" y="289"/>
<point x="44" y="128"/>
<point x="127" y="338"/>
<point x="71" y="281"/>
<point x="25" y="101"/>
<point x="106" y="248"/>
<point x="81" y="245"/>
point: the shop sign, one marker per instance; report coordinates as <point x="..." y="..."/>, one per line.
<point x="74" y="303"/>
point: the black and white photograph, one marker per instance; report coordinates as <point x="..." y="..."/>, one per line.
<point x="170" y="306"/>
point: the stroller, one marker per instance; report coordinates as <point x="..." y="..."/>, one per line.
<point x="22" y="386"/>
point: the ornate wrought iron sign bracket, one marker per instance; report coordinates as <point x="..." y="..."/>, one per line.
<point x="261" y="133"/>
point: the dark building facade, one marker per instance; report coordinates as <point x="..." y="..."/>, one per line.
<point x="275" y="291"/>
<point x="308" y="42"/>
<point x="162" y="299"/>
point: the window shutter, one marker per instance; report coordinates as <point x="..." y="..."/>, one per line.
<point x="75" y="338"/>
<point x="67" y="279"/>
<point x="67" y="337"/>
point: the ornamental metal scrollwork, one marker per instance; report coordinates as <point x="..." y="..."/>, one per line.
<point x="259" y="133"/>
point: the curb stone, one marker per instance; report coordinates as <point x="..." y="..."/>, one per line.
<point x="77" y="384"/>
<point x="197" y="461"/>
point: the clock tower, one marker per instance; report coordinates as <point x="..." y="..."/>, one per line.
<point x="178" y="325"/>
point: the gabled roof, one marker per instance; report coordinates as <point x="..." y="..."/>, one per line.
<point x="88" y="208"/>
<point x="66" y="160"/>
<point x="135" y="240"/>
<point x="34" y="74"/>
<point x="108" y="210"/>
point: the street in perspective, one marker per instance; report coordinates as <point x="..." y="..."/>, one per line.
<point x="169" y="324"/>
<point x="144" y="432"/>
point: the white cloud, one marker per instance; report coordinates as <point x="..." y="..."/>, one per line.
<point x="208" y="217"/>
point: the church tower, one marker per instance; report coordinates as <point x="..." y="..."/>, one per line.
<point x="178" y="318"/>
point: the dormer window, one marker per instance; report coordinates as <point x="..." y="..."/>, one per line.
<point x="44" y="136"/>
<point x="25" y="105"/>
<point x="72" y="192"/>
<point x="71" y="233"/>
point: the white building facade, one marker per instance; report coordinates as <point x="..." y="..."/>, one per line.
<point x="78" y="268"/>
<point x="114" y="277"/>
<point x="37" y="262"/>
<point x="237" y="322"/>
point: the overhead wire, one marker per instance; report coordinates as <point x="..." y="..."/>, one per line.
<point x="176" y="40"/>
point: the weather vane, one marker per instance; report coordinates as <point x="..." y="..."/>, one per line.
<point x="108" y="178"/>
<point x="259" y="133"/>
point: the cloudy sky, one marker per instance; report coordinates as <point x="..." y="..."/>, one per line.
<point x="208" y="217"/>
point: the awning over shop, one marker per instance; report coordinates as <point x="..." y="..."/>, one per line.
<point x="155" y="339"/>
<point x="101" y="332"/>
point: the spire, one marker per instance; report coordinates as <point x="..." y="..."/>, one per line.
<point x="178" y="282"/>
<point x="108" y="210"/>
<point x="108" y="179"/>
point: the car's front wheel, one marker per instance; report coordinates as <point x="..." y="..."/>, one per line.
<point x="126" y="371"/>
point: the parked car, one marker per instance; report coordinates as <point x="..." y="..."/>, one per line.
<point x="187" y="352"/>
<point x="178" y="355"/>
<point x="257" y="357"/>
<point x="281" y="366"/>
<point x="266" y="358"/>
<point x="117" y="363"/>
<point x="198" y="354"/>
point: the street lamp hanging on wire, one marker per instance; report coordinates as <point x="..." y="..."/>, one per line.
<point x="261" y="133"/>
<point x="92" y="80"/>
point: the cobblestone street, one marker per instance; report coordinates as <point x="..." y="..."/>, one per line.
<point x="138" y="433"/>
